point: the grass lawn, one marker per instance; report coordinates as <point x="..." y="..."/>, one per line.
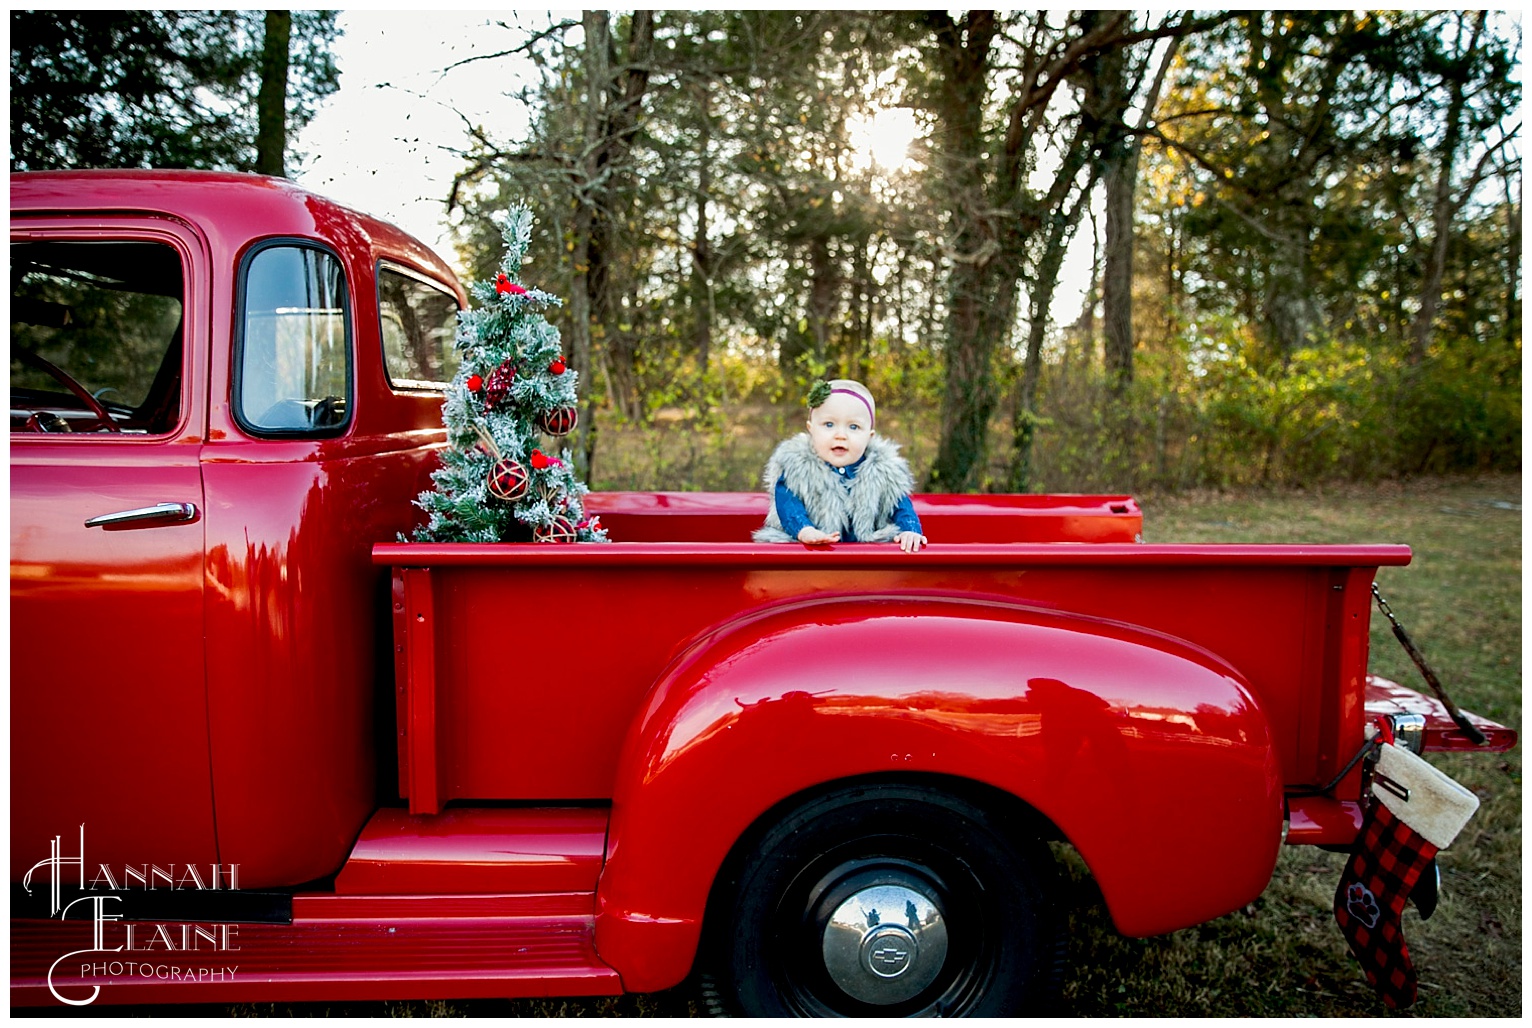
<point x="1460" y="599"/>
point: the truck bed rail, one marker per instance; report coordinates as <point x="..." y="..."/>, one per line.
<point x="858" y="555"/>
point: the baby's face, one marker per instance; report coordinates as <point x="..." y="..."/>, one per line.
<point x="839" y="429"/>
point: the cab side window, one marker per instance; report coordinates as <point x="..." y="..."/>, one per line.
<point x="294" y="375"/>
<point x="418" y="320"/>
<point x="96" y="337"/>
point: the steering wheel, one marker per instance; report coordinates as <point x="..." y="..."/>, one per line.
<point x="92" y="404"/>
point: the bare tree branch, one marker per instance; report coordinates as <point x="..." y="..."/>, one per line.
<point x="527" y="47"/>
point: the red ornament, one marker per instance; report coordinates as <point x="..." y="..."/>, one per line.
<point x="558" y="366"/>
<point x="503" y="284"/>
<point x="540" y="460"/>
<point x="559" y="530"/>
<point x="499" y="385"/>
<point x="509" y="480"/>
<point x="560" y="420"/>
<point x="474" y="383"/>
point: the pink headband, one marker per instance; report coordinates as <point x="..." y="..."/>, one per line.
<point x="852" y="392"/>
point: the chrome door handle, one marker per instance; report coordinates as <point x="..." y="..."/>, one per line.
<point x="162" y="513"/>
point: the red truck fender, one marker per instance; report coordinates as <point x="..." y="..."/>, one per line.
<point x="1100" y="727"/>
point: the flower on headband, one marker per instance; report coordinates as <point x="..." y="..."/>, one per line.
<point x="818" y="394"/>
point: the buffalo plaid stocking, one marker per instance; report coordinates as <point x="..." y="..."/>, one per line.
<point x="1384" y="866"/>
<point x="1415" y="812"/>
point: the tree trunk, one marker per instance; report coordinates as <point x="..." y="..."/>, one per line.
<point x="612" y="108"/>
<point x="702" y="253"/>
<point x="581" y="441"/>
<point x="1119" y="159"/>
<point x="1172" y="275"/>
<point x="859" y="342"/>
<point x="1085" y="325"/>
<point x="972" y="312"/>
<point x="1024" y="416"/>
<point x="824" y="290"/>
<point x="969" y="398"/>
<point x="1060" y="230"/>
<point x="1287" y="307"/>
<point x="271" y="101"/>
<point x="1510" y="330"/>
<point x="1120" y="155"/>
<point x="1444" y="205"/>
<point x="1436" y="262"/>
<point x="581" y="314"/>
<point x="1117" y="278"/>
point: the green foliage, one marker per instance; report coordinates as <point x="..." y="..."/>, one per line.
<point x="1460" y="410"/>
<point x="164" y="89"/>
<point x="1294" y="174"/>
<point x="1214" y="413"/>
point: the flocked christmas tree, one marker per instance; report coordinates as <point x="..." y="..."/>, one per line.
<point x="513" y="388"/>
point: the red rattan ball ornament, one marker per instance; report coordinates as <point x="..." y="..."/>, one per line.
<point x="509" y="480"/>
<point x="559" y="530"/>
<point x="560" y="421"/>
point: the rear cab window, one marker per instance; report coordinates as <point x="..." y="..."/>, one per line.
<point x="417" y="319"/>
<point x="96" y="336"/>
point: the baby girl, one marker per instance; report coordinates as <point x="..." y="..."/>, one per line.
<point x="839" y="481"/>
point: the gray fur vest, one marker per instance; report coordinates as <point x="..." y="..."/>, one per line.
<point x="867" y="508"/>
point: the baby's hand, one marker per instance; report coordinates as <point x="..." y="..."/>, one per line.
<point x="811" y="536"/>
<point x="910" y="542"/>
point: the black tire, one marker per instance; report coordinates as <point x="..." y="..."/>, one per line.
<point x="978" y="937"/>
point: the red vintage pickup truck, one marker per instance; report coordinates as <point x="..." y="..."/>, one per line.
<point x="261" y="752"/>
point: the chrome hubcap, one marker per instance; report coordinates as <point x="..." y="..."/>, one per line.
<point x="885" y="943"/>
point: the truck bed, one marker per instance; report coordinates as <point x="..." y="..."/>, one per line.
<point x="520" y="667"/>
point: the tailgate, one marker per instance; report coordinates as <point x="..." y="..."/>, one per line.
<point x="1442" y="734"/>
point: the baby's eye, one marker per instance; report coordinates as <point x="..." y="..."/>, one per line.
<point x="855" y="427"/>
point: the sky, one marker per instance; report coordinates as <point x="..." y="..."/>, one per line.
<point x="383" y="143"/>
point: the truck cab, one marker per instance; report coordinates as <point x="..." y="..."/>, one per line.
<point x="224" y="389"/>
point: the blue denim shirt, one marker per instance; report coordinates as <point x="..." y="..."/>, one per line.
<point x="795" y="517"/>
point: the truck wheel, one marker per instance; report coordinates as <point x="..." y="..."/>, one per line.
<point x="888" y="901"/>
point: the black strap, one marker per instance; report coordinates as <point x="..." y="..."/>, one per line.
<point x="1468" y="728"/>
